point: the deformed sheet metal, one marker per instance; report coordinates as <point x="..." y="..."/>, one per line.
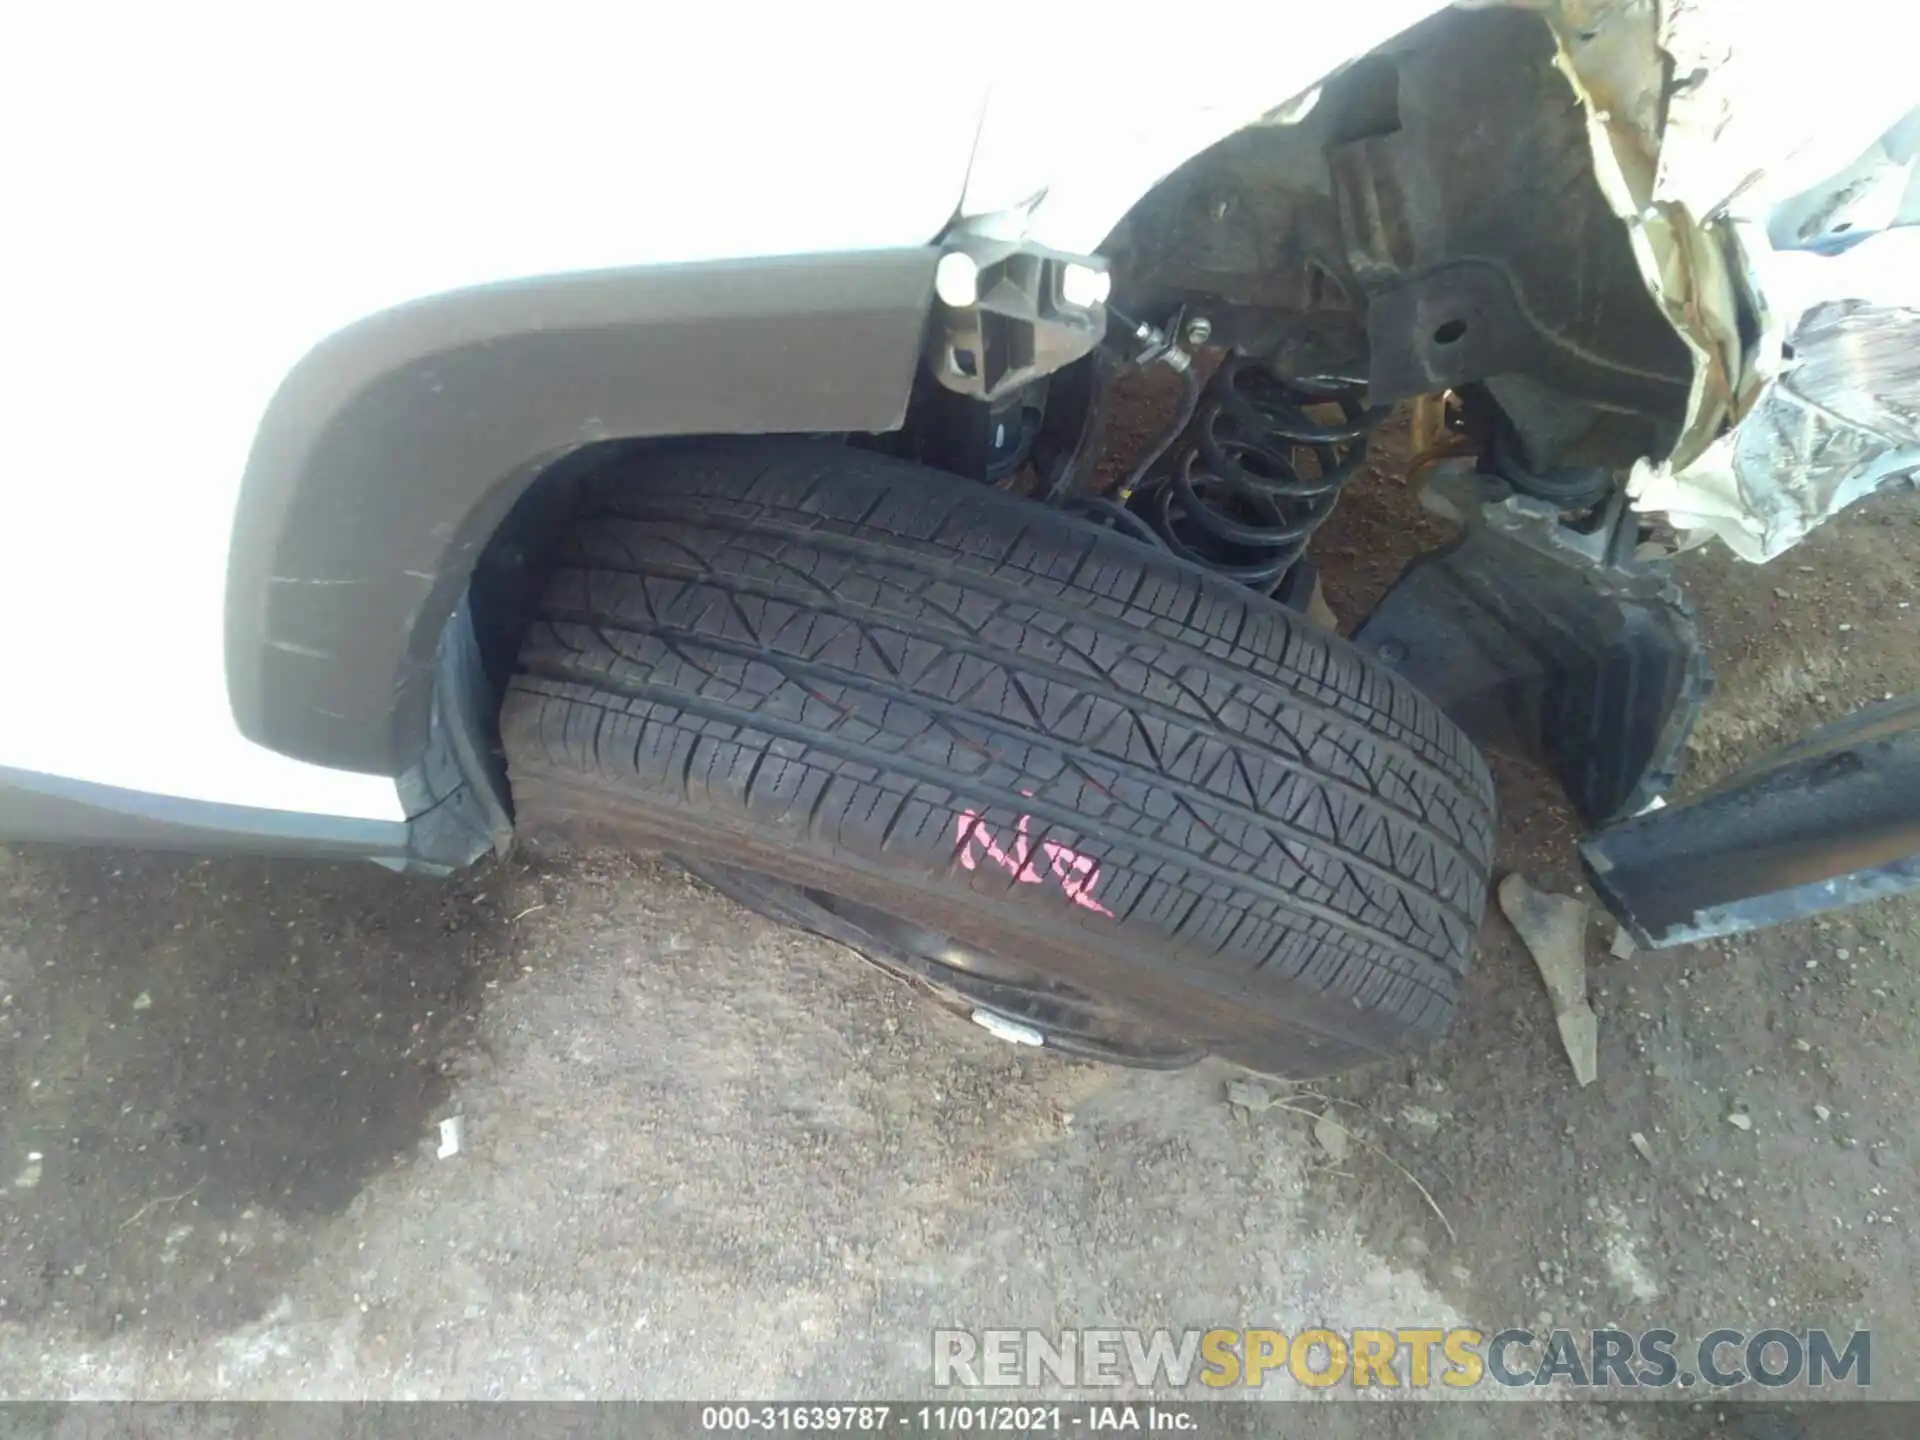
<point x="1809" y="406"/>
<point x="1841" y="419"/>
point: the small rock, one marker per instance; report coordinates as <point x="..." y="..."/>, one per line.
<point x="1880" y="1158"/>
<point x="1780" y="594"/>
<point x="1249" y="1095"/>
<point x="29" y="1175"/>
<point x="1802" y="1046"/>
<point x="143" y="1001"/>
<point x="452" y="1131"/>
<point x="1419" y="1117"/>
<point x="1639" y="1142"/>
<point x="1822" y="1114"/>
<point x="1740" y="1120"/>
<point x="1623" y="946"/>
<point x="1843" y="954"/>
<point x="1331" y="1136"/>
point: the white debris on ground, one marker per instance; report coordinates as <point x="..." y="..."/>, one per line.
<point x="1622" y="1258"/>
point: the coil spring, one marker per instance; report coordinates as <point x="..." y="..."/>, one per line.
<point x="1234" y="497"/>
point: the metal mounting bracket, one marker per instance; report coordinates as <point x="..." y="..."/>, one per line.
<point x="1011" y="313"/>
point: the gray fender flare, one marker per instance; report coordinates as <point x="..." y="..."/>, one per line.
<point x="394" y="448"/>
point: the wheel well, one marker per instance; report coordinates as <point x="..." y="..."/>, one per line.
<point x="517" y="559"/>
<point x="1433" y="222"/>
<point x="1394" y="233"/>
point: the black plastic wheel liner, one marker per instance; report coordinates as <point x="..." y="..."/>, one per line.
<point x="1489" y="251"/>
<point x="1589" y="664"/>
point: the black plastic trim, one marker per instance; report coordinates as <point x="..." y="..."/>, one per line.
<point x="394" y="448"/>
<point x="49" y="807"/>
<point x="1830" y="821"/>
<point x="456" y="794"/>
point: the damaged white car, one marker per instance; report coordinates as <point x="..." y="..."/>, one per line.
<point x="680" y="432"/>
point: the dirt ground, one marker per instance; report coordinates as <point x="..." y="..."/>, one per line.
<point x="700" y="1156"/>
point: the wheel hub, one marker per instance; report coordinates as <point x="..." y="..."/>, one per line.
<point x="1009" y="1001"/>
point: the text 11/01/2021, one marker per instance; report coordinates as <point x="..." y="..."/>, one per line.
<point x="977" y="1419"/>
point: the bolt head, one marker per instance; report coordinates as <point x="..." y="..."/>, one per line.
<point x="1199" y="330"/>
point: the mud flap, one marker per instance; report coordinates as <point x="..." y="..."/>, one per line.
<point x="1553" y="644"/>
<point x="1831" y="821"/>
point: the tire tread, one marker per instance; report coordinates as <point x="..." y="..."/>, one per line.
<point x="811" y="646"/>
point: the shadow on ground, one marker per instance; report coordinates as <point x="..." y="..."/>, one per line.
<point x="229" y="1049"/>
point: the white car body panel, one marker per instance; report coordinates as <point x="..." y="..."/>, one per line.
<point x="209" y="192"/>
<point x="202" y="194"/>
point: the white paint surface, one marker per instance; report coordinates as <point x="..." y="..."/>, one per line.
<point x="199" y="193"/>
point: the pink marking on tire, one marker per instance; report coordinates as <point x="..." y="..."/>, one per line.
<point x="1078" y="874"/>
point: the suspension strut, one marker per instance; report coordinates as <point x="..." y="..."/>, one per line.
<point x="1257" y="471"/>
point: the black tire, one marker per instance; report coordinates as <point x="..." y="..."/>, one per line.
<point x="817" y="662"/>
